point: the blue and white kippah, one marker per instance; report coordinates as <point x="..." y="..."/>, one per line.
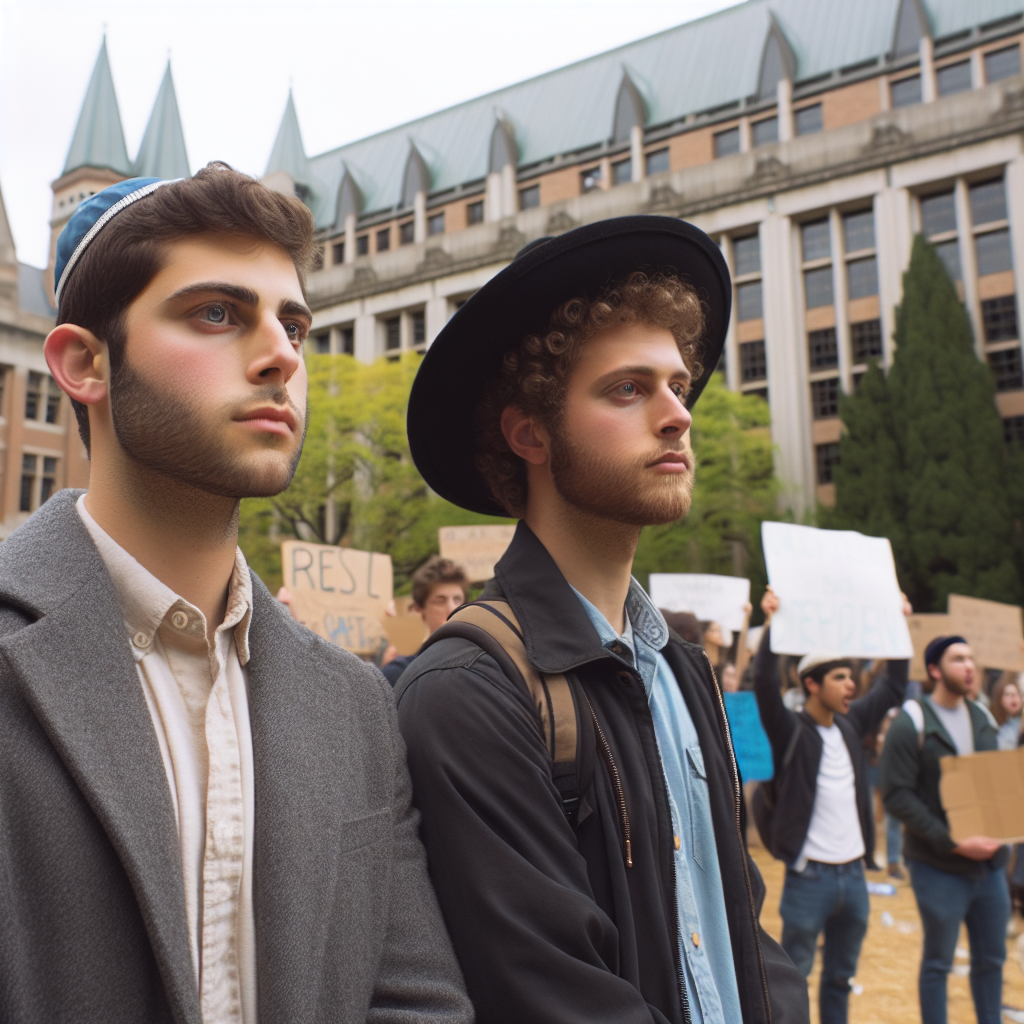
<point x="89" y="220"/>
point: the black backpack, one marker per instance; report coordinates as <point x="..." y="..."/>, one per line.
<point x="762" y="804"/>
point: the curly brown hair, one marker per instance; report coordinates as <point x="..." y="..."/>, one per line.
<point x="534" y="377"/>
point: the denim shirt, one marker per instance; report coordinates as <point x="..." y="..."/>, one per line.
<point x="704" y="945"/>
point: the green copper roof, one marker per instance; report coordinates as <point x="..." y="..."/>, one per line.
<point x="98" y="140"/>
<point x="162" y="153"/>
<point x="288" y="153"/>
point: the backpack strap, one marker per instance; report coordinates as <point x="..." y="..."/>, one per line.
<point x="493" y="627"/>
<point x="914" y="710"/>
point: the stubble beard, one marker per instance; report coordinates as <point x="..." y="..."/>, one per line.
<point x="628" y="493"/>
<point x="169" y="436"/>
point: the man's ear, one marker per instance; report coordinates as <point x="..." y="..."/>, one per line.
<point x="527" y="438"/>
<point x="78" y="362"/>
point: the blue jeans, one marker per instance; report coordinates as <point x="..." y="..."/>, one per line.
<point x="893" y="837"/>
<point x="833" y="898"/>
<point x="945" y="901"/>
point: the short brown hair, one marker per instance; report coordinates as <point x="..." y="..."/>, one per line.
<point x="128" y="253"/>
<point x="534" y="377"/>
<point x="1006" y="680"/>
<point x="434" y="571"/>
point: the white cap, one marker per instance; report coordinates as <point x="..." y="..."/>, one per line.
<point x="812" y="661"/>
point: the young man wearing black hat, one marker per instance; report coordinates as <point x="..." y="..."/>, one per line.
<point x="204" y="809"/>
<point x="822" y="824"/>
<point x="954" y="883"/>
<point x="608" y="883"/>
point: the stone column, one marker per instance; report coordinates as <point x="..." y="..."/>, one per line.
<point x="419" y="217"/>
<point x="492" y="197"/>
<point x="968" y="263"/>
<point x="977" y="69"/>
<point x="437" y="312"/>
<point x="732" y="352"/>
<point x="746" y="141"/>
<point x="892" y="250"/>
<point x="350" y="238"/>
<point x="365" y="327"/>
<point x="928" y="89"/>
<point x="636" y="152"/>
<point x="1014" y="185"/>
<point x="784" y="100"/>
<point x="509" y="194"/>
<point x="840" y="299"/>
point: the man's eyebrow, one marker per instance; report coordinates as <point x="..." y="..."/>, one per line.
<point x="643" y="371"/>
<point x="234" y="291"/>
<point x="292" y="308"/>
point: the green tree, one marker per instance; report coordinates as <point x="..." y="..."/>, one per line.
<point x="735" y="490"/>
<point x="923" y="460"/>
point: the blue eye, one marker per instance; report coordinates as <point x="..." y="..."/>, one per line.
<point x="627" y="389"/>
<point x="216" y="314"/>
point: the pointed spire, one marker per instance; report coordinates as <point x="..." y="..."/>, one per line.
<point x="629" y="109"/>
<point x="98" y="140"/>
<point x="778" y="60"/>
<point x="162" y="153"/>
<point x="288" y="154"/>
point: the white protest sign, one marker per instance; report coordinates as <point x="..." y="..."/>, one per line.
<point x="477" y="549"/>
<point x="837" y="593"/>
<point x="711" y="598"/>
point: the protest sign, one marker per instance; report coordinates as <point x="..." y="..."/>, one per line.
<point x="749" y="740"/>
<point x="711" y="598"/>
<point x="339" y="593"/>
<point x="476" y="548"/>
<point x="837" y="593"/>
<point x="923" y="630"/>
<point x="983" y="794"/>
<point x="406" y="628"/>
<point x="993" y="630"/>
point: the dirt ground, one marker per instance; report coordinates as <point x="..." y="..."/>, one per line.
<point x="885" y="989"/>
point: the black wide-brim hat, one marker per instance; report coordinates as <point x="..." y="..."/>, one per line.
<point x="519" y="301"/>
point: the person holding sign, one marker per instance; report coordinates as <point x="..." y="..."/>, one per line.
<point x="582" y="809"/>
<point x="954" y="883"/>
<point x="205" y="808"/>
<point x="822" y="823"/>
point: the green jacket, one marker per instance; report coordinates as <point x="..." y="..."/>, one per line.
<point x="909" y="773"/>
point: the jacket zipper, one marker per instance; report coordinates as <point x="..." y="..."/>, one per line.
<point x="738" y="797"/>
<point x="620" y="796"/>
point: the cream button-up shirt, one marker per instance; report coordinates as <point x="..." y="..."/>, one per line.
<point x="197" y="695"/>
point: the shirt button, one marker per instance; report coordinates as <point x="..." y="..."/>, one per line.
<point x="675" y="839"/>
<point x="141" y="640"/>
<point x="696" y="939"/>
<point x="179" y="620"/>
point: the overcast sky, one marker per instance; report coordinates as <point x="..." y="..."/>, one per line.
<point x="356" y="66"/>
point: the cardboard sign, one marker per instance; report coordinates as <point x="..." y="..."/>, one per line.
<point x="339" y="593"/>
<point x="993" y="630"/>
<point x="406" y="629"/>
<point x="837" y="593"/>
<point x="983" y="794"/>
<point x="923" y="630"/>
<point x="476" y="548"/>
<point x="711" y="598"/>
<point x="749" y="740"/>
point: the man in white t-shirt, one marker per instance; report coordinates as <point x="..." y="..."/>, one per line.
<point x="821" y="824"/>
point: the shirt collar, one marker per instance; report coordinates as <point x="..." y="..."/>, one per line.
<point x="145" y="601"/>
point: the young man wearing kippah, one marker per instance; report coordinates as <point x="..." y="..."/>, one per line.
<point x="606" y="882"/>
<point x="204" y="809"/>
<point x="823" y="824"/>
<point x="954" y="883"/>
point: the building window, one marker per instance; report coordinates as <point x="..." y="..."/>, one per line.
<point x="949" y="253"/>
<point x="1000" y="318"/>
<point x="383" y="239"/>
<point x="748" y="301"/>
<point x="657" y="162"/>
<point x="993" y="252"/>
<point x="49" y="481"/>
<point x="53" y="394"/>
<point x="814" y="238"/>
<point x="746" y="254"/>
<point x="906" y="92"/>
<point x="1007" y="369"/>
<point x="362" y="245"/>
<point x="590" y="178"/>
<point x="808" y="120"/>
<point x="418" y="321"/>
<point x="938" y="214"/>
<point x="859" y="231"/>
<point x="529" y="198"/>
<point x="726" y="143"/>
<point x="866" y="340"/>
<point x="406" y="233"/>
<point x="988" y="202"/>
<point x="764" y="131"/>
<point x="825" y="398"/>
<point x="435" y="224"/>
<point x="753" y="362"/>
<point x="622" y="172"/>
<point x="818" y="287"/>
<point x="338" y="252"/>
<point x="348" y="341"/>
<point x="475" y="212"/>
<point x="821" y="349"/>
<point x="28" y="482"/>
<point x="954" y="78"/>
<point x="392" y="334"/>
<point x="323" y="343"/>
<point x="1002" y="63"/>
<point x="1013" y="429"/>
<point x="33" y="394"/>
<point x="827" y="458"/>
<point x="862" y="278"/>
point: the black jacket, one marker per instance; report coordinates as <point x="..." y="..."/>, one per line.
<point x="796" y="786"/>
<point x="550" y="925"/>
<point x="908" y="776"/>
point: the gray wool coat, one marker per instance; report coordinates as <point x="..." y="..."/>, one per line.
<point x="92" y="905"/>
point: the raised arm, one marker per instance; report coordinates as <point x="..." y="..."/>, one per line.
<point x="778" y="721"/>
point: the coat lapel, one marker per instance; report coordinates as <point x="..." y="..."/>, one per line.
<point x="77" y="671"/>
